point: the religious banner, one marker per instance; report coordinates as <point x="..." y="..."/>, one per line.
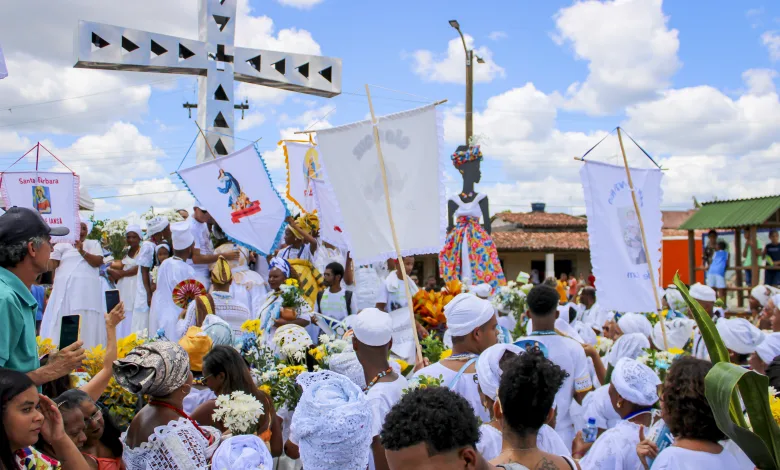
<point x="238" y="193"/>
<point x="303" y="167"/>
<point x="617" y="253"/>
<point x="3" y="68"/>
<point x="414" y="166"/>
<point x="331" y="223"/>
<point x="55" y="196"/>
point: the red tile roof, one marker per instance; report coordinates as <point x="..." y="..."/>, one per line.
<point x="673" y="219"/>
<point x="541" y="241"/>
<point x="542" y="219"/>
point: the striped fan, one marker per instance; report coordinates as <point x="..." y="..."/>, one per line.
<point x="186" y="291"/>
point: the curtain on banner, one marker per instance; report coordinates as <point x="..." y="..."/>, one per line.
<point x="303" y="167"/>
<point x="238" y="192"/>
<point x="54" y="195"/>
<point x="616" y="251"/>
<point x="414" y="165"/>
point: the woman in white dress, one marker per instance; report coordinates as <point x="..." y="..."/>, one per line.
<point x="127" y="278"/>
<point x="248" y="288"/>
<point x="77" y="290"/>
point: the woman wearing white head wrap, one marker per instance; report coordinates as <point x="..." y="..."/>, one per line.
<point x="675" y="300"/>
<point x="126" y="279"/>
<point x="218" y="330"/>
<point x="635" y="323"/>
<point x="346" y="363"/>
<point x="633" y="392"/>
<point x="740" y="337"/>
<point x="332" y="423"/>
<point x="585" y="332"/>
<point x="678" y="333"/>
<point x="242" y="453"/>
<point x="489" y="370"/>
<point x="631" y="346"/>
<point x="766" y="352"/>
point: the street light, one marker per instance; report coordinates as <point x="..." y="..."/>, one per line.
<point x="469" y="81"/>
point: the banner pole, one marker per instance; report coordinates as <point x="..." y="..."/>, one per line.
<point x="644" y="242"/>
<point x="392" y="229"/>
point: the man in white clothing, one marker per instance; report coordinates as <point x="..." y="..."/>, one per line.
<point x="384" y="387"/>
<point x="164" y="312"/>
<point x="158" y="230"/>
<point x="334" y="302"/>
<point x="593" y="315"/>
<point x="472" y="322"/>
<point x="203" y="252"/>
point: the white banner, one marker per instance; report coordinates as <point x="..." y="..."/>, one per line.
<point x="54" y="195"/>
<point x="3" y="68"/>
<point x="331" y="223"/>
<point x="617" y="255"/>
<point x="303" y="167"/>
<point x="238" y="192"/>
<point x="414" y="164"/>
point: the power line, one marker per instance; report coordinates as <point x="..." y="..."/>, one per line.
<point x="140" y="194"/>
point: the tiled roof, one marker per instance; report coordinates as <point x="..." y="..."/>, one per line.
<point x="541" y="241"/>
<point x="542" y="219"/>
<point x="673" y="219"/>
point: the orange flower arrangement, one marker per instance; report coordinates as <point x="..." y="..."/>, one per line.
<point x="429" y="306"/>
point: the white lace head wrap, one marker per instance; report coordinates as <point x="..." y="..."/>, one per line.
<point x="156" y="225"/>
<point x="675" y="299"/>
<point x="635" y="323"/>
<point x="586" y="333"/>
<point x="769" y="349"/>
<point x="332" y="424"/>
<point x="465" y="313"/>
<point x="373" y="327"/>
<point x="678" y="332"/>
<point x="245" y="452"/>
<point x="703" y="293"/>
<point x="489" y="370"/>
<point x="482" y="290"/>
<point x="762" y="294"/>
<point x="635" y="382"/>
<point x="346" y="363"/>
<point x="631" y="346"/>
<point x="739" y="335"/>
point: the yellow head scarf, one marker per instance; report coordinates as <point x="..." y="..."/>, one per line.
<point x="309" y="223"/>
<point x="221" y="273"/>
<point x="197" y="344"/>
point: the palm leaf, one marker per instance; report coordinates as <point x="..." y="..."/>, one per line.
<point x="763" y="445"/>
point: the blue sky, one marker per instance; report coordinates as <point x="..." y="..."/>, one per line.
<point x="693" y="81"/>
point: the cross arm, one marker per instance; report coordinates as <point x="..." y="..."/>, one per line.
<point x="301" y="73"/>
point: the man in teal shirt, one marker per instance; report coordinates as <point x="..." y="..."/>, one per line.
<point x="25" y="247"/>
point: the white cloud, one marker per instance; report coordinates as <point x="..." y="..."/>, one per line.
<point x="317" y="118"/>
<point x="771" y="39"/>
<point x="300" y="4"/>
<point x="630" y="50"/>
<point x="760" y="81"/>
<point x="497" y="35"/>
<point x="450" y="67"/>
<point x="250" y="121"/>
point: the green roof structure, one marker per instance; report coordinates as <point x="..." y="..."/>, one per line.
<point x="736" y="213"/>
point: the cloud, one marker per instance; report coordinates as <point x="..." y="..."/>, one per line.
<point x="630" y="50"/>
<point x="250" y="121"/>
<point x="760" y="81"/>
<point x="755" y="15"/>
<point x="449" y="67"/>
<point x="497" y="35"/>
<point x="274" y="159"/>
<point x="300" y="4"/>
<point x="771" y="39"/>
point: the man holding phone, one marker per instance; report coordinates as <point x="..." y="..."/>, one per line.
<point x="25" y="247"/>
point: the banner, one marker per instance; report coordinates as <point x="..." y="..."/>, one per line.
<point x="54" y="195"/>
<point x="331" y="223"/>
<point x="237" y="191"/>
<point x="303" y="167"/>
<point x="617" y="255"/>
<point x="414" y="163"/>
<point x="3" y="69"/>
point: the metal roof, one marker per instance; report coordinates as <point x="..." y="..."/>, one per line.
<point x="733" y="213"/>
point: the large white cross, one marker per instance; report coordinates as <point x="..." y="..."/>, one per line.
<point x="214" y="59"/>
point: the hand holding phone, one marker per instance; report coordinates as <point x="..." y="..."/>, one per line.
<point x="69" y="330"/>
<point x="112" y="299"/>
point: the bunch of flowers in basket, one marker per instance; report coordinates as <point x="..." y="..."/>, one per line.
<point x="279" y="383"/>
<point x="328" y="347"/>
<point x="254" y="350"/>
<point x="660" y="361"/>
<point x="603" y="345"/>
<point x="429" y="306"/>
<point x="292" y="296"/>
<point x="424" y="381"/>
<point x="238" y="412"/>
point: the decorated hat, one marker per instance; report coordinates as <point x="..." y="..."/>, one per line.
<point x="466" y="154"/>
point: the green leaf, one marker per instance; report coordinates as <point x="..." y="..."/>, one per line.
<point x="763" y="445"/>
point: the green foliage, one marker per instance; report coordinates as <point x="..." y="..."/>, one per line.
<point x="432" y="348"/>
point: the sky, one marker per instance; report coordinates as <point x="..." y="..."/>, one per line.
<point x="693" y="82"/>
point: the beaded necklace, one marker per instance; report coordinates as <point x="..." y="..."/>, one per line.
<point x="543" y="333"/>
<point x="466" y="356"/>
<point x="376" y="379"/>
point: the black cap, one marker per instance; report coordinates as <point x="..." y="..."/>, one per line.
<point x="20" y="223"/>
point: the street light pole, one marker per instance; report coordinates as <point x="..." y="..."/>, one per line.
<point x="469" y="82"/>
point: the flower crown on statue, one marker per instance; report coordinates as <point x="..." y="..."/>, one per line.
<point x="464" y="156"/>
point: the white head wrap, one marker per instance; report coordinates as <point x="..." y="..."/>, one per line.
<point x="762" y="293"/>
<point x="346" y="363"/>
<point x="776" y="300"/>
<point x="447" y="339"/>
<point x="162" y="245"/>
<point x="631" y="346"/>
<point x="373" y="327"/>
<point x="678" y="332"/>
<point x="281" y="264"/>
<point x="563" y="311"/>
<point x="88" y="223"/>
<point x="156" y="225"/>
<point x="218" y="330"/>
<point x="466" y="312"/>
<point x="675" y="299"/>
<point x="244" y="452"/>
<point x="769" y="349"/>
<point x="181" y="236"/>
<point x="482" y="290"/>
<point x="635" y="382"/>
<point x="488" y="369"/>
<point x="135" y="229"/>
<point x="739" y="335"/>
<point x="704" y="293"/>
<point x="635" y="323"/>
<point x="332" y="424"/>
<point x="586" y="333"/>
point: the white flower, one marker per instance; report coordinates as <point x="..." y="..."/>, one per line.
<point x="772" y="391"/>
<point x="238" y="412"/>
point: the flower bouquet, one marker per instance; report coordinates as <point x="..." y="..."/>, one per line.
<point x="432" y="348"/>
<point x="279" y="383"/>
<point x="603" y="345"/>
<point x="45" y="346"/>
<point x="660" y="361"/>
<point x="238" y="412"/>
<point x="292" y="342"/>
<point x="429" y="306"/>
<point x="328" y="347"/>
<point x="292" y="299"/>
<point x="423" y="381"/>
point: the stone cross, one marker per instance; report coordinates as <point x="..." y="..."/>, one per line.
<point x="214" y="59"/>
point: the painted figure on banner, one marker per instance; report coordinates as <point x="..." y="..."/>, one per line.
<point x="632" y="235"/>
<point x="42" y="199"/>
<point x="237" y="199"/>
<point x="469" y="254"/>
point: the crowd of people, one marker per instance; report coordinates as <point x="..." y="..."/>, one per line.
<point x="548" y="398"/>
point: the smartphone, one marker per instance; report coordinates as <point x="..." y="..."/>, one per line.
<point x="112" y="299"/>
<point x="69" y="330"/>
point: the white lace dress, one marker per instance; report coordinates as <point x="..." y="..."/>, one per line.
<point x="177" y="445"/>
<point x="615" y="449"/>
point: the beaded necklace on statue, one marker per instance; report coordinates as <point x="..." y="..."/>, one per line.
<point x="467" y="196"/>
<point x="376" y="379"/>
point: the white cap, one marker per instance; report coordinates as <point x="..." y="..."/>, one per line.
<point x="635" y="382"/>
<point x="465" y="313"/>
<point x="769" y="349"/>
<point x="762" y="294"/>
<point x="739" y="335"/>
<point x="156" y="225"/>
<point x="482" y="290"/>
<point x="703" y="293"/>
<point x="135" y="229"/>
<point x="182" y="237"/>
<point x="373" y="327"/>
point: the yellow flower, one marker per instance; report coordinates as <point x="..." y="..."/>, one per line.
<point x="94" y="361"/>
<point x="403" y="364"/>
<point x="292" y="371"/>
<point x="127" y="344"/>
<point x="265" y="389"/>
<point x="446" y="354"/>
<point x="317" y="353"/>
<point x="774" y="405"/>
<point x="45" y="346"/>
<point x="252" y="326"/>
<point x="676" y="351"/>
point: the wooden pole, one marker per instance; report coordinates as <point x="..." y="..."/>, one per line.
<point x="392" y="230"/>
<point x="691" y="257"/>
<point x="738" y="264"/>
<point x="754" y="256"/>
<point x="207" y="141"/>
<point x="644" y="242"/>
